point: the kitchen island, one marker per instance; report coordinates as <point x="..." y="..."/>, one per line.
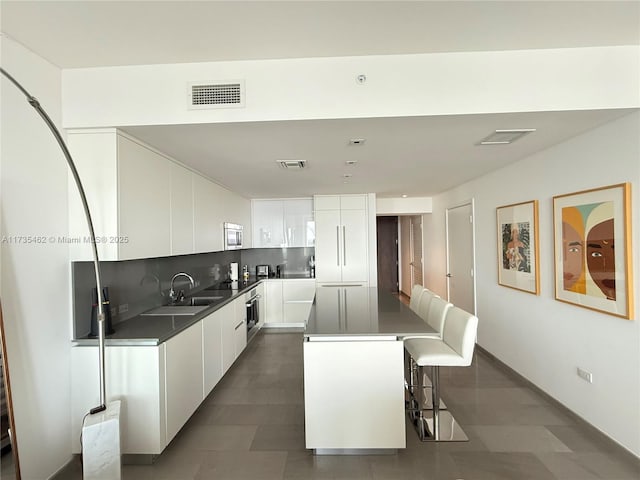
<point x="354" y="370"/>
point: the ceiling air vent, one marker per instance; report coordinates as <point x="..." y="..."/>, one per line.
<point x="505" y="137"/>
<point x="292" y="164"/>
<point x="216" y="95"/>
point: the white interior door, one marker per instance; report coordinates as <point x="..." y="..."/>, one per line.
<point x="461" y="257"/>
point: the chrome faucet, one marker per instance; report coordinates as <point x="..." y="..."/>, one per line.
<point x="180" y="295"/>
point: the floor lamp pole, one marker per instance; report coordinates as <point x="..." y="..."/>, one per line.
<point x="96" y="264"/>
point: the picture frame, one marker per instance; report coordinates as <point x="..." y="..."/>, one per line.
<point x="592" y="249"/>
<point x="518" y="246"/>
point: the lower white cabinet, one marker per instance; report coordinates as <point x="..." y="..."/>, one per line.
<point x="240" y="326"/>
<point x="273" y="302"/>
<point x="289" y="301"/>
<point x="160" y="386"/>
<point x="183" y="361"/>
<point x="212" y="349"/>
<point x="136" y="376"/>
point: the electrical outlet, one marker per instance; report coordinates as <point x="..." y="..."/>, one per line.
<point x="123" y="308"/>
<point x="586" y="376"/>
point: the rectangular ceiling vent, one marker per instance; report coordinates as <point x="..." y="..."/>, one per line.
<point x="292" y="164"/>
<point x="505" y="137"/>
<point x="229" y="94"/>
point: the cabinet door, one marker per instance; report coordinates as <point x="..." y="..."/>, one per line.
<point x="267" y="223"/>
<point x="228" y="345"/>
<point x="299" y="228"/>
<point x="273" y="290"/>
<point x="183" y="377"/>
<point x="240" y="326"/>
<point x="212" y="350"/>
<point x="181" y="210"/>
<point x="297" y="296"/>
<point x="354" y="245"/>
<point x="328" y="246"/>
<point x="144" y="185"/>
<point x="207" y="233"/>
<point x="262" y="311"/>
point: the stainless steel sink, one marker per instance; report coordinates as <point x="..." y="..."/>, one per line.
<point x="201" y="300"/>
<point x="170" y="310"/>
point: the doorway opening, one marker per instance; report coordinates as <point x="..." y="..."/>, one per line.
<point x="400" y="253"/>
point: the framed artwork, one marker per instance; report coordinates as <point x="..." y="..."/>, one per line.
<point x="518" y="263"/>
<point x="592" y="243"/>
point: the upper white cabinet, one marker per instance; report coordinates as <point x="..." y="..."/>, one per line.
<point x="282" y="223"/>
<point x="182" y="217"/>
<point x="144" y="204"/>
<point x="342" y="239"/>
<point x="208" y="235"/>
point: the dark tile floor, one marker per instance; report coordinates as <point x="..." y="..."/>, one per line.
<point x="252" y="427"/>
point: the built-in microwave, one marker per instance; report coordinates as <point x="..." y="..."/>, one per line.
<point x="232" y="236"/>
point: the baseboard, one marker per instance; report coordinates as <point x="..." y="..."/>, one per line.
<point x="593" y="429"/>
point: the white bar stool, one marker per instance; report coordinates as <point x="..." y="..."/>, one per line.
<point x="433" y="310"/>
<point x="454" y="349"/>
<point x="416" y="294"/>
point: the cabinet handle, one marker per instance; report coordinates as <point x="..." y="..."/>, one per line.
<point x="239" y="325"/>
<point x="338" y="244"/>
<point x="344" y="245"/>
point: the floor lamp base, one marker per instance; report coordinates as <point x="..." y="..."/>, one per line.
<point x="101" y="457"/>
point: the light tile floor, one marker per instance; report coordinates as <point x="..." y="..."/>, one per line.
<point x="252" y="427"/>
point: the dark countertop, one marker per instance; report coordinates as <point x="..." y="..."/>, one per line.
<point x="155" y="329"/>
<point x="340" y="311"/>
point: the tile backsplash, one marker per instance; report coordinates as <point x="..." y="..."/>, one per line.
<point x="136" y="286"/>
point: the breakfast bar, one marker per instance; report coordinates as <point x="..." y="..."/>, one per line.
<point x="354" y="370"/>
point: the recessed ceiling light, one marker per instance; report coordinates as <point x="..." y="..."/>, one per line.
<point x="348" y="175"/>
<point x="505" y="137"/>
<point x="292" y="164"/>
<point x="351" y="163"/>
<point x="356" y="141"/>
<point x="404" y="195"/>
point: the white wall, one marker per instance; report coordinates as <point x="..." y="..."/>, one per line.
<point x="543" y="339"/>
<point x="35" y="277"/>
<point x="403" y="206"/>
<point x="397" y="85"/>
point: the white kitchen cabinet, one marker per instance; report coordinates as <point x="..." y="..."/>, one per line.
<point x="143" y="203"/>
<point x="267" y="223"/>
<point x="135" y="375"/>
<point x="208" y="234"/>
<point x="342" y="239"/>
<point x="297" y="299"/>
<point x="181" y="210"/>
<point x="262" y="310"/>
<point x="273" y="302"/>
<point x="282" y="222"/>
<point x="183" y="359"/>
<point x="240" y="325"/>
<point x="212" y="349"/>
<point x="144" y="186"/>
<point x="228" y="336"/>
<point x="288" y="301"/>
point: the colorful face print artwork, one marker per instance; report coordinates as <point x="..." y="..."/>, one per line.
<point x="588" y="256"/>
<point x="516" y="246"/>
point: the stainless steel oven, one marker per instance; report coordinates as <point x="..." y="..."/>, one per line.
<point x="253" y="313"/>
<point x="232" y="236"/>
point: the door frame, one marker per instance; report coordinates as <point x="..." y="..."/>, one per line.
<point x="470" y="202"/>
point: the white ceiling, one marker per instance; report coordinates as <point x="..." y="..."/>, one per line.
<point x="416" y="156"/>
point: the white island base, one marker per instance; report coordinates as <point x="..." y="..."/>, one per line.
<point x="354" y="394"/>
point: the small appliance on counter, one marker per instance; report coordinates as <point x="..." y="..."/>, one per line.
<point x="233" y="272"/>
<point x="263" y="271"/>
